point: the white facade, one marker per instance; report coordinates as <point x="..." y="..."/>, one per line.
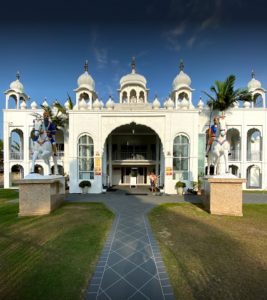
<point x="107" y="143"/>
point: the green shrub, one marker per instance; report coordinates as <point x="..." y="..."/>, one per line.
<point x="84" y="183"/>
<point x="180" y="184"/>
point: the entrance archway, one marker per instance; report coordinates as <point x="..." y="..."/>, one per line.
<point x="131" y="152"/>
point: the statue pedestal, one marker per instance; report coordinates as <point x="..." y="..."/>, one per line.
<point x="223" y="195"/>
<point x="39" y="195"/>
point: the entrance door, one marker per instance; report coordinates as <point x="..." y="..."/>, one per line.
<point x="139" y="173"/>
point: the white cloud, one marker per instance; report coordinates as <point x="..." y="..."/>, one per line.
<point x="190" y="42"/>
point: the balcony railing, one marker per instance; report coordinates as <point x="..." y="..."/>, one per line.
<point x="254" y="156"/>
<point x="133" y="156"/>
<point x="235" y="155"/>
<point x="16" y="155"/>
<point x="60" y="155"/>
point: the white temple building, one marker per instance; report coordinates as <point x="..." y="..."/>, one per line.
<point x="111" y="143"/>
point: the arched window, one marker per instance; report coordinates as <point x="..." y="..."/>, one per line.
<point x="17" y="173"/>
<point x="39" y="169"/>
<point x="86" y="157"/>
<point x="133" y="97"/>
<point x="254" y="145"/>
<point x="181" y="158"/>
<point x="253" y="177"/>
<point x="233" y="170"/>
<point x="183" y="95"/>
<point x="124" y="97"/>
<point x="258" y="101"/>
<point x="16" y="144"/>
<point x="233" y="136"/>
<point x="141" y="97"/>
<point x="84" y="96"/>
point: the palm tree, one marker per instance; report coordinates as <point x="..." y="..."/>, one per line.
<point x="225" y="94"/>
<point x="60" y="118"/>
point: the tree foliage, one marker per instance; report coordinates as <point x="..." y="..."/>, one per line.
<point x="224" y="95"/>
<point x="58" y="113"/>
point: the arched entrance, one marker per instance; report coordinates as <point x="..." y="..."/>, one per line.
<point x="131" y="152"/>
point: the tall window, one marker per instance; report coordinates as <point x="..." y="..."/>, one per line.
<point x="86" y="157"/>
<point x="181" y="158"/>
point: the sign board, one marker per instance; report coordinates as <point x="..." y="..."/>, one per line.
<point x="168" y="171"/>
<point x="98" y="163"/>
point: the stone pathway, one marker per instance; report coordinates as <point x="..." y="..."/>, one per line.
<point x="130" y="266"/>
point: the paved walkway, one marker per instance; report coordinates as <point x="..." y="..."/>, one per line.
<point x="130" y="266"/>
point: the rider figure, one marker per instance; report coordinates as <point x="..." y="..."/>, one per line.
<point x="212" y="133"/>
<point x="50" y="129"/>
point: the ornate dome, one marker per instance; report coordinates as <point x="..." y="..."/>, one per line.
<point x="97" y="105"/>
<point x="156" y="103"/>
<point x="34" y="105"/>
<point x="133" y="78"/>
<point x="254" y="83"/>
<point x="182" y="79"/>
<point x="169" y="103"/>
<point x="17" y="85"/>
<point x="85" y="80"/>
<point x="110" y="104"/>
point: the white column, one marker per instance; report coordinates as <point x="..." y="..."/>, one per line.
<point x="157" y="156"/>
<point x="110" y="159"/>
<point x="104" y="165"/>
<point x="162" y="166"/>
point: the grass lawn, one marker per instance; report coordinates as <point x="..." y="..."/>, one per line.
<point x="213" y="257"/>
<point x="50" y="257"/>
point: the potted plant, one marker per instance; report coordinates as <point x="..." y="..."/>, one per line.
<point x="84" y="185"/>
<point x="180" y="185"/>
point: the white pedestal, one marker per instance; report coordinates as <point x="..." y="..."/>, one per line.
<point x="223" y="195"/>
<point x="39" y="195"/>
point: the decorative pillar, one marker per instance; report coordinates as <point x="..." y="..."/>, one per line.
<point x="157" y="155"/>
<point x="110" y="159"/>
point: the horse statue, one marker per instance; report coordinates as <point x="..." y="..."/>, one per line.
<point x="42" y="146"/>
<point x="220" y="148"/>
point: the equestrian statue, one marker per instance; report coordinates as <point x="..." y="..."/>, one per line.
<point x="218" y="146"/>
<point x="44" y="144"/>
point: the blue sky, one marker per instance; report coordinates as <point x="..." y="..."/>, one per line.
<point x="49" y="43"/>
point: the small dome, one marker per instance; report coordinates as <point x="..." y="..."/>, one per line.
<point x="246" y="104"/>
<point x="236" y="104"/>
<point x="17" y="85"/>
<point x="133" y="77"/>
<point x="254" y="83"/>
<point x="23" y="105"/>
<point x="45" y="103"/>
<point x="85" y="80"/>
<point x="156" y="103"/>
<point x="34" y="105"/>
<point x="110" y="104"/>
<point x="200" y="103"/>
<point x="169" y="103"/>
<point x="67" y="105"/>
<point x="182" y="79"/>
<point x="96" y="104"/>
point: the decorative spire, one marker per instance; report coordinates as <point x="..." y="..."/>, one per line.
<point x="86" y="66"/>
<point x="18" y="75"/>
<point x="133" y="65"/>
<point x="252" y="74"/>
<point x="181" y="65"/>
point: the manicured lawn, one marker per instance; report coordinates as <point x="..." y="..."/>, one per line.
<point x="50" y="257"/>
<point x="213" y="257"/>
